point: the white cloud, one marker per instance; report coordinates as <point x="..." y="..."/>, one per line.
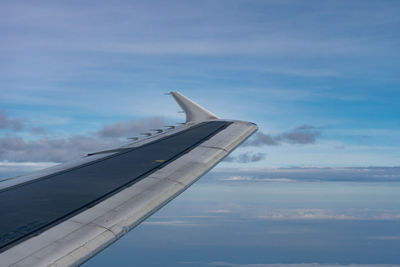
<point x="173" y="223"/>
<point x="325" y="214"/>
<point x="307" y="174"/>
<point x="9" y="169"/>
<point x="220" y="211"/>
<point x="253" y="179"/>
<point x="304" y="214"/>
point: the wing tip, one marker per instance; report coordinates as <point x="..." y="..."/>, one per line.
<point x="194" y="112"/>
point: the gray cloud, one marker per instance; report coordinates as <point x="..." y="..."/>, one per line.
<point x="16" y="149"/>
<point x="261" y="139"/>
<point x="302" y="135"/>
<point x="9" y="123"/>
<point x="18" y="124"/>
<point x="47" y="149"/>
<point x="246" y="158"/>
<point x="129" y="128"/>
<point x="305" y="134"/>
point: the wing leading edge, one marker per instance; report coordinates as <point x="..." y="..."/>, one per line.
<point x="67" y="214"/>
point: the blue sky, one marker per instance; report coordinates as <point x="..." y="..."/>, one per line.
<point x="320" y="78"/>
<point x="73" y="67"/>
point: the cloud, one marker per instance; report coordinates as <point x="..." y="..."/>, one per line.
<point x="262" y="213"/>
<point x="253" y="179"/>
<point x="16" y="149"/>
<point x="175" y="32"/>
<point x="262" y="139"/>
<point x="238" y="178"/>
<point x="302" y="135"/>
<point x="312" y="174"/>
<point x="305" y="134"/>
<point x="220" y="211"/>
<point x="18" y="124"/>
<point x="10" y="124"/>
<point x="11" y="169"/>
<point x="172" y="223"/>
<point x="311" y="214"/>
<point x="129" y="128"/>
<point x="50" y="149"/>
<point x="246" y="158"/>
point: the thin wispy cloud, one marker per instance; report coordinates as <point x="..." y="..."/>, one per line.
<point x="302" y="135"/>
<point x="18" y="124"/>
<point x="128" y="128"/>
<point x="308" y="174"/>
<point x="246" y="157"/>
<point x="220" y="211"/>
<point x="310" y="214"/>
<point x="10" y="123"/>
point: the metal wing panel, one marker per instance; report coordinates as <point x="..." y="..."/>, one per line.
<point x="75" y="240"/>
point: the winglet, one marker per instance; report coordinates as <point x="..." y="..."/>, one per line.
<point x="194" y="112"/>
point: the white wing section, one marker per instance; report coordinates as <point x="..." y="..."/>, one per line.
<point x="79" y="238"/>
<point x="194" y="112"/>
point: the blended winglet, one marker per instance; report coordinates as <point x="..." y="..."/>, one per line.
<point x="194" y="112"/>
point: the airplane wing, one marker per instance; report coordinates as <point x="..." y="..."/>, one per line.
<point x="64" y="215"/>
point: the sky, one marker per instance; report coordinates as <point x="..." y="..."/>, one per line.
<point x="320" y="78"/>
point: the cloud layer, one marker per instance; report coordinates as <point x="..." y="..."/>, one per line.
<point x="52" y="149"/>
<point x="60" y="149"/>
<point x="308" y="174"/>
